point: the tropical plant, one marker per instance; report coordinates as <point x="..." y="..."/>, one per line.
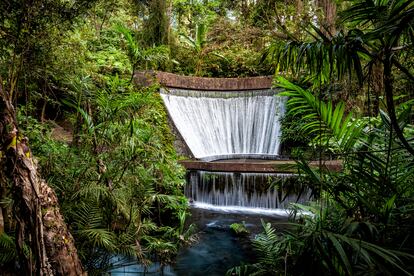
<point x="328" y="124"/>
<point x="361" y="222"/>
<point x="323" y="242"/>
<point x="129" y="187"/>
<point x="143" y="58"/>
<point x="27" y="31"/>
<point x="381" y="33"/>
<point x="199" y="44"/>
<point x="120" y="186"/>
<point x="376" y="164"/>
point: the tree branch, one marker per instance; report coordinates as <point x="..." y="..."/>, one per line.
<point x="402" y="68"/>
<point x="390" y="102"/>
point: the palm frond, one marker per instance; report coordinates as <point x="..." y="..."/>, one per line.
<point x="87" y="215"/>
<point x="134" y="50"/>
<point x="93" y="191"/>
<point x="330" y="124"/>
<point x="324" y="57"/>
<point x="8" y="250"/>
<point x="99" y="237"/>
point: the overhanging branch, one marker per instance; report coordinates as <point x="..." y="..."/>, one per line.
<point x="402" y="69"/>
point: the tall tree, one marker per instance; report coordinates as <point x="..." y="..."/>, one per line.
<point x="157" y="24"/>
<point x="328" y="19"/>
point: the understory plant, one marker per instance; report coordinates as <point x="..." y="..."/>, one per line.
<point x="363" y="220"/>
<point x="116" y="173"/>
<point x="372" y="196"/>
<point x="323" y="241"/>
<point x="119" y="184"/>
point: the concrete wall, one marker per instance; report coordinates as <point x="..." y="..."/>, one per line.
<point x="169" y="80"/>
<point x="179" y="144"/>
<point x="273" y="166"/>
<point x="201" y="83"/>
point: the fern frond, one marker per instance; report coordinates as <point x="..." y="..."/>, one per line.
<point x="100" y="238"/>
<point x="8" y="251"/>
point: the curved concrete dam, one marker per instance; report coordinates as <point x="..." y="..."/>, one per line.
<point x="225" y="118"/>
<point x="217" y="125"/>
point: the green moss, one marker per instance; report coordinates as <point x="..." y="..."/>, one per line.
<point x="239" y="229"/>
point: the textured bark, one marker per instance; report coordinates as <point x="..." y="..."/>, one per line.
<point x="38" y="220"/>
<point x="389" y="94"/>
<point x="329" y="11"/>
<point x="3" y="211"/>
<point x="299" y="7"/>
<point x="377" y="88"/>
<point x="59" y="243"/>
<point x="169" y="13"/>
<point x="1" y="221"/>
<point x="157" y="23"/>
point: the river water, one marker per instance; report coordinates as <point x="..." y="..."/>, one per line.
<point x="217" y="249"/>
<point x="218" y="200"/>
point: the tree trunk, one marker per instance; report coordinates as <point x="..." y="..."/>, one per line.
<point x="245" y="9"/>
<point x="389" y="94"/>
<point x="4" y="212"/>
<point x="39" y="222"/>
<point x="377" y="86"/>
<point x="169" y="18"/>
<point x="157" y="23"/>
<point x="299" y="8"/>
<point x="1" y="221"/>
<point x="329" y="11"/>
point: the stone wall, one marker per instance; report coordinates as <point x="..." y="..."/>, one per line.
<point x="258" y="166"/>
<point x="201" y="83"/>
<point x="179" y="144"/>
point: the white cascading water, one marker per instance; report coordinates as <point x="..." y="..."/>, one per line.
<point x="248" y="192"/>
<point x="227" y="123"/>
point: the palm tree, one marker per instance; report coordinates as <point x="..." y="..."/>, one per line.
<point x="199" y="44"/>
<point x="382" y="33"/>
<point x="128" y="181"/>
<point x="362" y="220"/>
<point x="140" y="57"/>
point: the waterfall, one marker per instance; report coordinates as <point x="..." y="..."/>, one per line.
<point x="248" y="191"/>
<point x="223" y="124"/>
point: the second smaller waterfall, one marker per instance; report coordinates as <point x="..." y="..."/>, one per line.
<point x="245" y="191"/>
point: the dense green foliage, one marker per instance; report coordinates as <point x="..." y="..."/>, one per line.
<point x="112" y="166"/>
<point x="363" y="220"/>
<point x="105" y="147"/>
<point x="120" y="187"/>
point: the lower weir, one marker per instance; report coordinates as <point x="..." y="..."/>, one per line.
<point x="265" y="193"/>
